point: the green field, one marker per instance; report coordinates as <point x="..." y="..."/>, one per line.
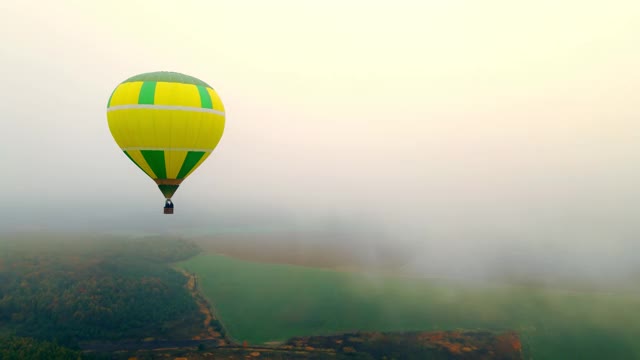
<point x="269" y="302"/>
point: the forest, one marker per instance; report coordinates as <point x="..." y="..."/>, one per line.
<point x="17" y="348"/>
<point x="76" y="289"/>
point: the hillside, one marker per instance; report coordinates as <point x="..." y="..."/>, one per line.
<point x="80" y="289"/>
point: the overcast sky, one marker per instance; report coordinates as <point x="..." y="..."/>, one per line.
<point x="454" y="125"/>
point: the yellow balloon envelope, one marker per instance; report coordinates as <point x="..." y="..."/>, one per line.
<point x="167" y="123"/>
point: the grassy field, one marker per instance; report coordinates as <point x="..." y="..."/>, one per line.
<point x="271" y="302"/>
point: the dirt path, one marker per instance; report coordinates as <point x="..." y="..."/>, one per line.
<point x="211" y="331"/>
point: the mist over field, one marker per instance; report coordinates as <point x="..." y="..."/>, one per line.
<point x="475" y="139"/>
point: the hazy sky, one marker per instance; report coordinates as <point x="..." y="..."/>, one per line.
<point x="455" y="125"/>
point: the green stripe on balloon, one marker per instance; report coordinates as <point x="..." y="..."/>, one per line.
<point x="205" y="99"/>
<point x="167" y="76"/>
<point x="190" y="161"/>
<point x="147" y="93"/>
<point x="155" y="159"/>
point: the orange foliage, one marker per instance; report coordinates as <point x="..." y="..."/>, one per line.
<point x="348" y="349"/>
<point x="509" y="342"/>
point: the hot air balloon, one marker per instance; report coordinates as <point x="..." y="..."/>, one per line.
<point x="167" y="123"/>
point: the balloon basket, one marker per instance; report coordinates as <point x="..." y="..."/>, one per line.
<point x="168" y="210"/>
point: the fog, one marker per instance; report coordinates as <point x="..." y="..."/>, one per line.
<point x="477" y="137"/>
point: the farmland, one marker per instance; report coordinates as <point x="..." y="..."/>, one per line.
<point x="261" y="303"/>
